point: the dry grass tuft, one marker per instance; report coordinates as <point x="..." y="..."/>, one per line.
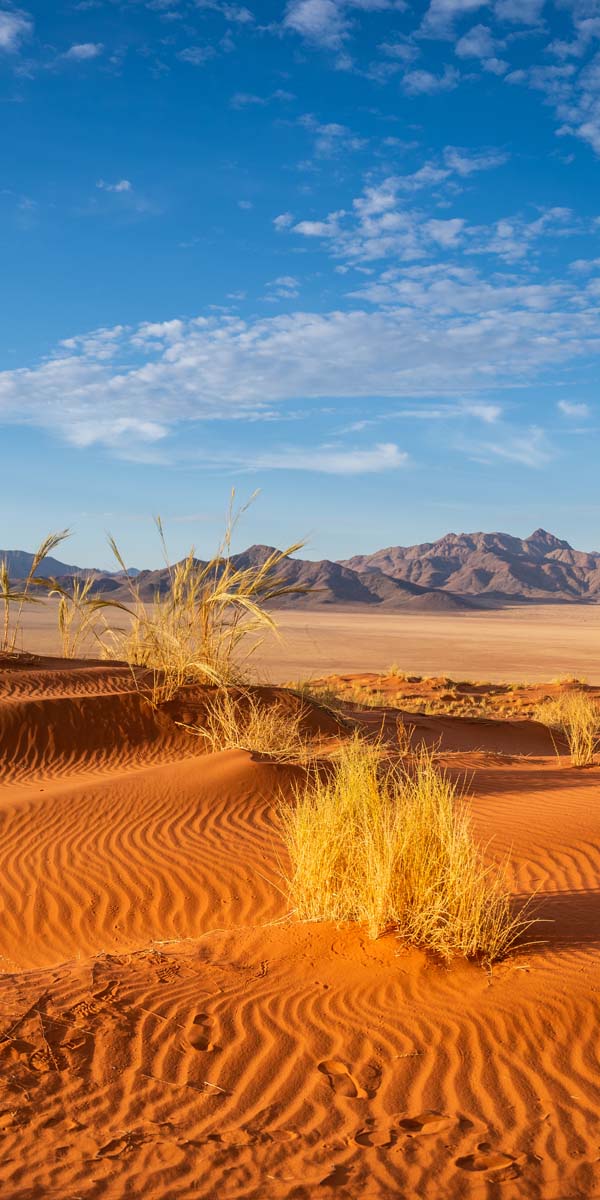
<point x="315" y="693"/>
<point x="195" y="630"/>
<point x="576" y="715"/>
<point x="239" y="720"/>
<point x="392" y="848"/>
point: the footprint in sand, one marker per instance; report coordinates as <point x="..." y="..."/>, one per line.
<point x="427" y="1122"/>
<point x="495" y="1162"/>
<point x="380" y="1138"/>
<point x="341" y="1080"/>
<point x="200" y="1033"/>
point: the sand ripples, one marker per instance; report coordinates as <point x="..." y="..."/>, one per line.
<point x="166" y="1033"/>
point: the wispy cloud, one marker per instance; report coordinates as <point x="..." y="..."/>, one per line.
<point x="529" y="448"/>
<point x="224" y="368"/>
<point x="83" y="51"/>
<point x="122" y="185"/>
<point x="330" y="460"/>
<point x="575" y="410"/>
<point x="251" y="100"/>
<point x="15" y="27"/>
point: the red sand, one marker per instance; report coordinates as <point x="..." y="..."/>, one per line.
<point x="165" y="1034"/>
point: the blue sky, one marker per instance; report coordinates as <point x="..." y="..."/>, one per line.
<point x="344" y="251"/>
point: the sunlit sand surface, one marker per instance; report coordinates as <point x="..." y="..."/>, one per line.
<point x="169" y="1031"/>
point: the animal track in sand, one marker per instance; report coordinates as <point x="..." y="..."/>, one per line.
<point x="345" y="1084"/>
<point x="121" y="1145"/>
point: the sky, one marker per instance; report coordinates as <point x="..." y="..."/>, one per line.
<point x="346" y="252"/>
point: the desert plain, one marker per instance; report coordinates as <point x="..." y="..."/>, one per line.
<point x="168" y="1029"/>
<point x="537" y="642"/>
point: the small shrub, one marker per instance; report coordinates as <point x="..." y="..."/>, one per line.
<point x="243" y="721"/>
<point x="392" y="848"/>
<point x="576" y="715"/>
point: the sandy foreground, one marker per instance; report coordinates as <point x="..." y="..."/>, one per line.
<point x="167" y="1031"/>
<point x="535" y="643"/>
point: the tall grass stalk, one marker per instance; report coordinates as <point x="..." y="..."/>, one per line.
<point x="195" y="629"/>
<point x="15" y="599"/>
<point x="393" y="848"/>
<point x="77" y="612"/>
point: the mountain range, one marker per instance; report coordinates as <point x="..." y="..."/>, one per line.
<point x="458" y="572"/>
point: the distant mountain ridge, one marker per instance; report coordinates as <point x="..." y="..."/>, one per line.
<point x="19" y="563"/>
<point x="456" y="573"/>
<point x="492" y="566"/>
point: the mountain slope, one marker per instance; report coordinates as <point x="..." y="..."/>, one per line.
<point x="494" y="566"/>
<point x="322" y="583"/>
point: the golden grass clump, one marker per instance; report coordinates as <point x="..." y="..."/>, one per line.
<point x="577" y="716"/>
<point x="241" y="720"/>
<point x="392" y="848"/>
<point x="194" y="630"/>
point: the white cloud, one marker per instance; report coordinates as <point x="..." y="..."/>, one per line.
<point x="441" y="15"/>
<point x="519" y="12"/>
<point x="332" y="138"/>
<point x="385" y="456"/>
<point x="283" y="221"/>
<point x="574" y="409"/>
<point x="224" y="368"/>
<point x="477" y="43"/>
<point x="381" y="225"/>
<point x="197" y="55"/>
<point x="445" y="233"/>
<point x="320" y="21"/>
<point x="15" y="26"/>
<point x="285" y="287"/>
<point x="250" y="99"/>
<point x="528" y="449"/>
<point x="443" y="289"/>
<point x="465" y="162"/>
<point x="425" y="83"/>
<point x="84" y="51"/>
<point x="122" y="185"/>
<point x="319" y="229"/>
<point x="116" y="433"/>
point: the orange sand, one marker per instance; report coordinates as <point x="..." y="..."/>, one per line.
<point x="164" y="1033"/>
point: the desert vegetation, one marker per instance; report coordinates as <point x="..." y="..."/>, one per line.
<point x="14" y="599"/>
<point x="576" y="715"/>
<point x="391" y="846"/>
<point x="240" y="719"/>
<point x="195" y="630"/>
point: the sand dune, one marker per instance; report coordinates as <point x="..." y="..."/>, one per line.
<point x="167" y="1032"/>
